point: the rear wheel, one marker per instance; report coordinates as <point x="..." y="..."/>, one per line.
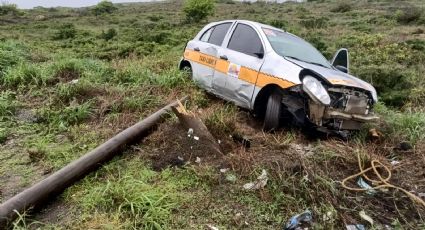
<point x="272" y="117"/>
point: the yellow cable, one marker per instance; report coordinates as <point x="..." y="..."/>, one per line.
<point x="381" y="183"/>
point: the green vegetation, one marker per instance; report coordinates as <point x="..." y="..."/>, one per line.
<point x="197" y="10"/>
<point x="104" y="7"/>
<point x="72" y="78"/>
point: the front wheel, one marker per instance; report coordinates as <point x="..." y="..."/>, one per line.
<point x="272" y="117"/>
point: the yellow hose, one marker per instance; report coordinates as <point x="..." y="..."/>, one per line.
<point x="381" y="183"/>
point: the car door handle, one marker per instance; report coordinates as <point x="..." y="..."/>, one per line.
<point x="224" y="57"/>
<point x="197" y="49"/>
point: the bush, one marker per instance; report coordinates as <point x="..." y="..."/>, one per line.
<point x="9" y="9"/>
<point x="342" y="7"/>
<point x="279" y="23"/>
<point x="392" y="83"/>
<point x="66" y="31"/>
<point x="315" y="23"/>
<point x="104" y="7"/>
<point x="109" y="34"/>
<point x="408" y="15"/>
<point x="196" y="10"/>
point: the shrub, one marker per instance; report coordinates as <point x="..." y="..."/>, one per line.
<point x="65" y="31"/>
<point x="197" y="10"/>
<point x="315" y="23"/>
<point x="9" y="9"/>
<point x="409" y="15"/>
<point x="109" y="34"/>
<point x="278" y="23"/>
<point x="104" y="7"/>
<point x="392" y="83"/>
<point x="342" y="7"/>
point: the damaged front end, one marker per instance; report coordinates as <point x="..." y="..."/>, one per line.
<point x="337" y="107"/>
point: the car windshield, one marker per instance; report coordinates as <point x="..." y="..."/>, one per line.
<point x="291" y="46"/>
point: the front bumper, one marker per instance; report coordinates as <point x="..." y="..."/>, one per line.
<point x="351" y="117"/>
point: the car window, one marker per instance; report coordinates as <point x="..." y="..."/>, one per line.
<point x="206" y="35"/>
<point x="217" y="35"/>
<point x="245" y="40"/>
<point x="288" y="45"/>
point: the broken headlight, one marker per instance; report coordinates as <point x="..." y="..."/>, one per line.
<point x="315" y="90"/>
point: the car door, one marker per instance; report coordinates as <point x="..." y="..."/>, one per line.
<point x="203" y="54"/>
<point x="243" y="56"/>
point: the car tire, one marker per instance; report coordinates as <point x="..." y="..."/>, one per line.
<point x="188" y="71"/>
<point x="273" y="110"/>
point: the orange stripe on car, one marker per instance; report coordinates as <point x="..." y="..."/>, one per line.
<point x="246" y="74"/>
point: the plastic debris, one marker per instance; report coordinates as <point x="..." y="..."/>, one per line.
<point x="190" y="132"/>
<point x="224" y="170"/>
<point x="196" y="138"/>
<point x="211" y="227"/>
<point x="355" y="227"/>
<point x="295" y="221"/>
<point x="75" y="81"/>
<point x="198" y="160"/>
<point x="421" y="194"/>
<point x="364" y="185"/>
<point x="259" y="183"/>
<point x="395" y="163"/>
<point x="366" y="217"/>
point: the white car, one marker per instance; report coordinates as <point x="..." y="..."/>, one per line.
<point x="278" y="76"/>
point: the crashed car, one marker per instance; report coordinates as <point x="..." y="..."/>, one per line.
<point x="278" y="76"/>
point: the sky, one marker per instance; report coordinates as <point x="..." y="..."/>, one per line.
<point x="28" y="4"/>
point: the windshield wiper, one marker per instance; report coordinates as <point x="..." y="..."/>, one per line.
<point x="313" y="63"/>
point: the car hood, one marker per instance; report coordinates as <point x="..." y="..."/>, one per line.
<point x="336" y="77"/>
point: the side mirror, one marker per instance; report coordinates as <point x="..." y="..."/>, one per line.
<point x="340" y="61"/>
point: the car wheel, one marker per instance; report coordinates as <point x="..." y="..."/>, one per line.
<point x="274" y="105"/>
<point x="187" y="70"/>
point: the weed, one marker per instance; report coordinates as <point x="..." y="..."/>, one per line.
<point x="24" y="74"/>
<point x="222" y="120"/>
<point x="4" y="134"/>
<point x="70" y="115"/>
<point x="315" y="23"/>
<point x="402" y="125"/>
<point x="342" y="7"/>
<point x="134" y="196"/>
<point x="8" y="104"/>
<point x="11" y="53"/>
<point x="65" y="31"/>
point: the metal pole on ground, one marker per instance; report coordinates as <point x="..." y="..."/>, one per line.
<point x="60" y="180"/>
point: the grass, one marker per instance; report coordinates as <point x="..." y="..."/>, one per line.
<point x="88" y="77"/>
